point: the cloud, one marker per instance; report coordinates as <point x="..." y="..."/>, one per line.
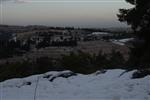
<point x="65" y="1"/>
<point x="15" y="1"/>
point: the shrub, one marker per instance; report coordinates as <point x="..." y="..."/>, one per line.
<point x="116" y="60"/>
<point x="23" y="69"/>
<point x="110" y="61"/>
<point x="85" y="63"/>
<point x="15" y="70"/>
<point x="44" y="64"/>
<point x="80" y="62"/>
<point x="101" y="61"/>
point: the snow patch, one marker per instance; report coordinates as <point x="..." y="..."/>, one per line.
<point x="121" y="41"/>
<point x="100" y="33"/>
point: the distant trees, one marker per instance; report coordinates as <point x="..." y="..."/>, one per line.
<point x="70" y="43"/>
<point x="9" y="48"/>
<point x="139" y="19"/>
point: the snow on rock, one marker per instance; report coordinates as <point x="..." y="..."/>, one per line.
<point x="106" y="85"/>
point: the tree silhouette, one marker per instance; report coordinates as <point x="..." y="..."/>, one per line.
<point x="139" y="19"/>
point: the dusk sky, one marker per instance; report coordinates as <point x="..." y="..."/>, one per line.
<point x="78" y="13"/>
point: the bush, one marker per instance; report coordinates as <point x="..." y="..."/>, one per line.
<point x="16" y="70"/>
<point x="44" y="64"/>
<point x="116" y="60"/>
<point x="110" y="61"/>
<point x="86" y="63"/>
<point x="139" y="56"/>
<point x="80" y="62"/>
<point x="101" y="61"/>
<point x="23" y="69"/>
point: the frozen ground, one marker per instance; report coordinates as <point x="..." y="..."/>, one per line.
<point x="97" y="86"/>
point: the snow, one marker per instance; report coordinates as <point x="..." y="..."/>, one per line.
<point x="126" y="40"/>
<point x="97" y="86"/>
<point x="121" y="41"/>
<point x="118" y="43"/>
<point x="100" y="33"/>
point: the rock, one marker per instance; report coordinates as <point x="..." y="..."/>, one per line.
<point x="100" y="72"/>
<point x="28" y="83"/>
<point x="47" y="76"/>
<point x="64" y="75"/>
<point x="140" y="74"/>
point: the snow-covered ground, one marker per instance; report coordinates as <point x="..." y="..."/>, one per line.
<point x="97" y="86"/>
<point x="122" y="41"/>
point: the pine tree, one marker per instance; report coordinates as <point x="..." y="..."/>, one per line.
<point x="139" y="19"/>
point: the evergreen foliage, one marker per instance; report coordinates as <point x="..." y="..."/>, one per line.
<point x="139" y="19"/>
<point x="85" y="63"/>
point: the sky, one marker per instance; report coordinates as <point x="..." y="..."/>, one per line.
<point x="74" y="13"/>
